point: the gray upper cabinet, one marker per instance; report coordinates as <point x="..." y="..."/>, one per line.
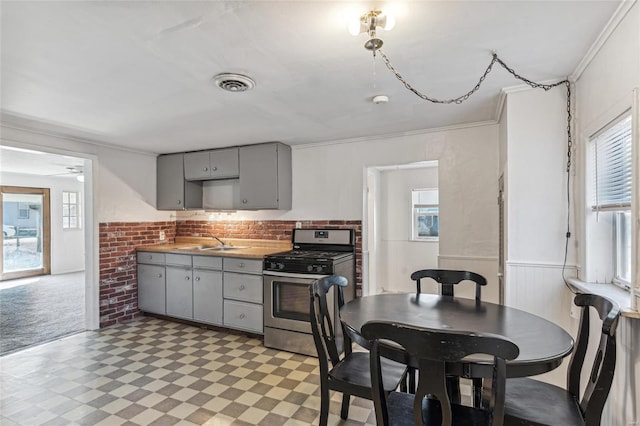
<point x="265" y="176"/>
<point x="214" y="164"/>
<point x="173" y="192"/>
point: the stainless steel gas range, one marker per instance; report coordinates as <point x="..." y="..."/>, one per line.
<point x="316" y="253"/>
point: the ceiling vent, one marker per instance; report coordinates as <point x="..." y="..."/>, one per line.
<point x="234" y="82"/>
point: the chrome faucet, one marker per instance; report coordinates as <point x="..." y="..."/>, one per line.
<point x="219" y="240"/>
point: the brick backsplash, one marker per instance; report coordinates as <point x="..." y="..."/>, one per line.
<point x="270" y="230"/>
<point x="118" y="280"/>
<point x="119" y="240"/>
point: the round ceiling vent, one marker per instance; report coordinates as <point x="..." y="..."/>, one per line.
<point x="234" y="82"/>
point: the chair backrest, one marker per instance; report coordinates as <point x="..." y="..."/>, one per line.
<point x="320" y="318"/>
<point x="433" y="349"/>
<point x="448" y="278"/>
<point x="601" y="374"/>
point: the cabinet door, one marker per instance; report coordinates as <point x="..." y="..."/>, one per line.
<point x="179" y="292"/>
<point x="151" y="289"/>
<point x="259" y="177"/>
<point x="197" y="165"/>
<point x="224" y="163"/>
<point x="207" y="296"/>
<point x="170" y="181"/>
<point x="173" y="192"/>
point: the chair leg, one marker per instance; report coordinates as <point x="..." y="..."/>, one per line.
<point x="476" y="392"/>
<point x="344" y="411"/>
<point x="453" y="389"/>
<point x="411" y="374"/>
<point x="324" y="405"/>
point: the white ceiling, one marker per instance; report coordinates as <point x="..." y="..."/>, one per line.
<point x="138" y="73"/>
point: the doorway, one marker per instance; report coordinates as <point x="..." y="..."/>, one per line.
<point x="394" y="244"/>
<point x="38" y="308"/>
<point x="26" y="232"/>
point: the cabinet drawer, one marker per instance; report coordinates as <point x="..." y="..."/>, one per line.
<point x="178" y="259"/>
<point x="208" y="262"/>
<point x="247" y="266"/>
<point x="151" y="257"/>
<point x="246" y="316"/>
<point x="243" y="287"/>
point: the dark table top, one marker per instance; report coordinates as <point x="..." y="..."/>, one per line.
<point x="542" y="343"/>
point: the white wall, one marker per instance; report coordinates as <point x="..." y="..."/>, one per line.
<point x="398" y="256"/>
<point x="603" y="91"/>
<point x="536" y="206"/>
<point x="67" y="245"/>
<point x="124" y="181"/>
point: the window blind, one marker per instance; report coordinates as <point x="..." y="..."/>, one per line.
<point x="612" y="157"/>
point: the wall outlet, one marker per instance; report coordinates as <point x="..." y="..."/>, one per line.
<point x="161" y="235"/>
<point x="298" y="225"/>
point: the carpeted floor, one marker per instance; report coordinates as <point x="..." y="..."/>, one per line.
<point x="39" y="309"/>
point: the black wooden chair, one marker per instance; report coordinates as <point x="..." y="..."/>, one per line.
<point x="432" y="350"/>
<point x="531" y="402"/>
<point x="448" y="278"/>
<point x="349" y="374"/>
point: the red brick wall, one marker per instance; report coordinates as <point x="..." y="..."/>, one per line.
<point x="118" y="281"/>
<point x="119" y="240"/>
<point x="270" y="230"/>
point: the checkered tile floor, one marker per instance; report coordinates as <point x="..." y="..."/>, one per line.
<point x="156" y="372"/>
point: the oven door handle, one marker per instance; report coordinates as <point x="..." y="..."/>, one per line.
<point x="293" y="275"/>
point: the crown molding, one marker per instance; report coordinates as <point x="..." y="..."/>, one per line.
<point x="602" y="38"/>
<point x="23" y="127"/>
<point x="397" y="135"/>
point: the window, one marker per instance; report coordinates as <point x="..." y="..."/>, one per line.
<point x="425" y="216"/>
<point x="70" y="210"/>
<point x="23" y="211"/>
<point x="610" y="187"/>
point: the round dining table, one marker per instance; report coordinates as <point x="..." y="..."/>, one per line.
<point x="542" y="343"/>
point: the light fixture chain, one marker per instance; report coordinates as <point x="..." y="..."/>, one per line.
<point x="467" y="95"/>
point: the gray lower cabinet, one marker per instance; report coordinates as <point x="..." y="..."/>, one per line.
<point x="179" y="292"/>
<point x="151" y="288"/>
<point x="243" y="294"/>
<point x="208" y="289"/>
<point x="207" y="296"/>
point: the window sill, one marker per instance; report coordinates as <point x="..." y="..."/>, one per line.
<point x="620" y="296"/>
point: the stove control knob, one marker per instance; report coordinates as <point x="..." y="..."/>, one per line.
<point x="310" y="268"/>
<point x="280" y="265"/>
<point x="272" y="265"/>
<point x="319" y="268"/>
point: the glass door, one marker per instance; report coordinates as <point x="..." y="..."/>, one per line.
<point x="25" y="232"/>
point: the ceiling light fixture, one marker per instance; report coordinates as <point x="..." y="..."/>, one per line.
<point x="369" y="23"/>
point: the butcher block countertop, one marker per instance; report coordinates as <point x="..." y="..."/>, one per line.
<point x="203" y="246"/>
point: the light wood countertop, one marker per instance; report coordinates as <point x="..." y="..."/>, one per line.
<point x="251" y="249"/>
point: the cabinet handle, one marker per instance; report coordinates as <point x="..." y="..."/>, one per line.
<point x="187" y="278"/>
<point x="241" y="316"/>
<point x="159" y="275"/>
<point x="244" y="201"/>
<point x="241" y="265"/>
<point x="204" y="169"/>
<point x="241" y="287"/>
<point x="179" y="202"/>
<point x="197" y="278"/>
<point x="214" y="168"/>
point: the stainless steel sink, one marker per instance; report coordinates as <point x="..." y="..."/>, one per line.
<point x="203" y="247"/>
<point x="224" y="248"/>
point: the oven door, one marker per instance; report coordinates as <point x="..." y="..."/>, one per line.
<point x="286" y="300"/>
